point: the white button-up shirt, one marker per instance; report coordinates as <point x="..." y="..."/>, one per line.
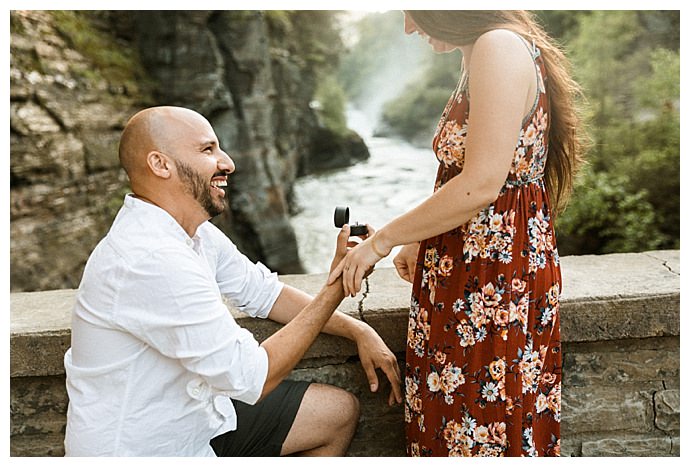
<point x="155" y="355"/>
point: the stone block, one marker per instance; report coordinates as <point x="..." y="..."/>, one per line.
<point x="41" y="312"/>
<point x="571" y="446"/>
<point x="619" y="445"/>
<point x="39" y="332"/>
<point x="615" y="362"/>
<point x="387" y="306"/>
<point x="38" y="406"/>
<point x="667" y="410"/>
<point x="51" y="445"/>
<point x="625" y="408"/>
<point x="38" y="355"/>
<point x="388" y="293"/>
<point x="675" y="446"/>
<point x="620" y="318"/>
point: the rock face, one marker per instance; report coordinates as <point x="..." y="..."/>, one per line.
<point x="76" y="77"/>
<point x="65" y="120"/>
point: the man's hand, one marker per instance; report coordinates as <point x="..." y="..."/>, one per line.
<point x="343" y="244"/>
<point x="405" y="261"/>
<point x="374" y="353"/>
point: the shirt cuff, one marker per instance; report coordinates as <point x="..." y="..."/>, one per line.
<point x="276" y="288"/>
<point x="252" y="396"/>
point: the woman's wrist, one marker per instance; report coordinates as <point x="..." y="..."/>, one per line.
<point x="380" y="245"/>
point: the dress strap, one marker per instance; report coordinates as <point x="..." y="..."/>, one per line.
<point x="534" y="53"/>
<point x="464" y="80"/>
<point x="532" y="47"/>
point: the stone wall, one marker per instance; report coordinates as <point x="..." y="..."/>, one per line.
<point x="620" y="326"/>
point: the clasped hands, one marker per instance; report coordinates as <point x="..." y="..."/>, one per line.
<point x="357" y="263"/>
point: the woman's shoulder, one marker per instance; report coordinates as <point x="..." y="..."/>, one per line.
<point x="501" y="41"/>
<point x="502" y="50"/>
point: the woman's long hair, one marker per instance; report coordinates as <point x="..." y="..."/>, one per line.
<point x="566" y="134"/>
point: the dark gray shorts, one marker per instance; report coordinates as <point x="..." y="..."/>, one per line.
<point x="262" y="428"/>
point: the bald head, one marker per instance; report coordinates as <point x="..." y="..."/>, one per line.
<point x="154" y="129"/>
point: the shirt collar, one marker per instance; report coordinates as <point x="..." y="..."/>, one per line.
<point x="161" y="217"/>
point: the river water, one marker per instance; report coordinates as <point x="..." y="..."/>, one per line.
<point x="395" y="178"/>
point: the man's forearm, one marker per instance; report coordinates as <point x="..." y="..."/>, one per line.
<point x="286" y="347"/>
<point x="291" y="301"/>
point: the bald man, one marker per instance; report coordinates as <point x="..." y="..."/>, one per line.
<point x="157" y="365"/>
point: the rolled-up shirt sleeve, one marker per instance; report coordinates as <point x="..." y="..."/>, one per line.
<point x="251" y="287"/>
<point x="173" y="305"/>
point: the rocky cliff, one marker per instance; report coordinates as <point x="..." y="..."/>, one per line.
<point x="76" y="77"/>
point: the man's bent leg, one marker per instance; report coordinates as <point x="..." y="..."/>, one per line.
<point x="263" y="427"/>
<point x="325" y="423"/>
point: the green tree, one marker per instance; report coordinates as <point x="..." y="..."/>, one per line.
<point x="629" y="198"/>
<point x="605" y="216"/>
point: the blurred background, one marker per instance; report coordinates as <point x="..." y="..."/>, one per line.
<point x="318" y="109"/>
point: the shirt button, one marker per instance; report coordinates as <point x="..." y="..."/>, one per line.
<point x="189" y="242"/>
<point x="196" y="391"/>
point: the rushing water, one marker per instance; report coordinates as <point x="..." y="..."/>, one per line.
<point x="396" y="177"/>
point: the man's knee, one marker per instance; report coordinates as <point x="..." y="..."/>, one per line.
<point x="351" y="407"/>
<point x="325" y="423"/>
<point x="338" y="408"/>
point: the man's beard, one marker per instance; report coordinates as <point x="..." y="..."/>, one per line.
<point x="199" y="188"/>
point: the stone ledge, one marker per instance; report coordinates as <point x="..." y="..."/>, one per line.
<point x="607" y="297"/>
<point x="621" y="386"/>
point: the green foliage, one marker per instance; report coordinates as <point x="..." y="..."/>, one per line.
<point x="279" y="20"/>
<point x="414" y="113"/>
<point x="630" y="197"/>
<point x="16" y="26"/>
<point x="318" y="36"/>
<point x="662" y="89"/>
<point x="562" y="25"/>
<point x="604" y="216"/>
<point x="110" y="61"/>
<point x="331" y="98"/>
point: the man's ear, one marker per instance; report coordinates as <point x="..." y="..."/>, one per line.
<point x="159" y="164"/>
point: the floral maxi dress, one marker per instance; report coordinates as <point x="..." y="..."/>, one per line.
<point x="483" y="367"/>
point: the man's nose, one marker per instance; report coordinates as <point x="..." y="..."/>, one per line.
<point x="225" y="163"/>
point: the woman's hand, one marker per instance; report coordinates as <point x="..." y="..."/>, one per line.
<point x="406" y="261"/>
<point x="358" y="264"/>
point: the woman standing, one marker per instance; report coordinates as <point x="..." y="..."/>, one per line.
<point x="483" y="368"/>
